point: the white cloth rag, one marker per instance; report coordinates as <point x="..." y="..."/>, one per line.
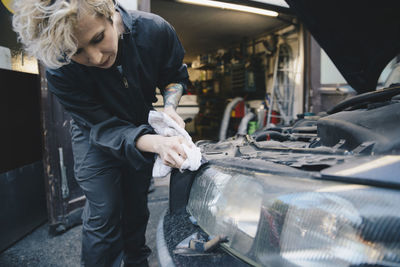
<point x="164" y="125"/>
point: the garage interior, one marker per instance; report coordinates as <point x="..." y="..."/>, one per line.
<point x="241" y="56"/>
<point x="271" y="66"/>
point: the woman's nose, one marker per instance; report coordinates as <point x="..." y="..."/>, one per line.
<point x="94" y="56"/>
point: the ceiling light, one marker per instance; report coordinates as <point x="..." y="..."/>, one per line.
<point x="281" y="3"/>
<point x="235" y="7"/>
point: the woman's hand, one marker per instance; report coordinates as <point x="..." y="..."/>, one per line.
<point x="171" y="151"/>
<point x="169" y="148"/>
<point x="170" y="111"/>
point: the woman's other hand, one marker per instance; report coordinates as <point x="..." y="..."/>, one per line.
<point x="170" y="149"/>
<point x="170" y="111"/>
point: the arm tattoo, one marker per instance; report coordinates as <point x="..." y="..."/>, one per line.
<point x="172" y="94"/>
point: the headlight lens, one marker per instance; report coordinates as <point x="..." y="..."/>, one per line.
<point x="275" y="220"/>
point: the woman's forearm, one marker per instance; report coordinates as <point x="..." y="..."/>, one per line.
<point x="172" y="94"/>
<point x="149" y="143"/>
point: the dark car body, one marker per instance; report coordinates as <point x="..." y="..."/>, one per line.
<point x="322" y="192"/>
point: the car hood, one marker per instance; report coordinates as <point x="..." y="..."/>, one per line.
<point x="360" y="37"/>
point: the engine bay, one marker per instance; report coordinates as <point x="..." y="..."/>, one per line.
<point x="363" y="129"/>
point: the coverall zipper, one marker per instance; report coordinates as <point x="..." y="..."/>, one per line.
<point x="124" y="80"/>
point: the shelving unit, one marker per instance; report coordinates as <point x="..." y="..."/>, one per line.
<point x="221" y="81"/>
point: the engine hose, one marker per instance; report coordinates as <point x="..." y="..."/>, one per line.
<point x="226" y="117"/>
<point x="271" y="135"/>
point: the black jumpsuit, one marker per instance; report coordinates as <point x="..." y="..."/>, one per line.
<point x="109" y="108"/>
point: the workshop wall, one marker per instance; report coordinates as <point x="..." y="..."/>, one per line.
<point x="245" y="70"/>
<point x="22" y="190"/>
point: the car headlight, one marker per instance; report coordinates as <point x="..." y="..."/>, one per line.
<point x="273" y="219"/>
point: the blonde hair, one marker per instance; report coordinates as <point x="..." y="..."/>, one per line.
<point x="46" y="27"/>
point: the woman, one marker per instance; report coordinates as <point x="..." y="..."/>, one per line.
<point x="103" y="65"/>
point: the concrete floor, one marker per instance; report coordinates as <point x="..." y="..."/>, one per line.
<point x="40" y="249"/>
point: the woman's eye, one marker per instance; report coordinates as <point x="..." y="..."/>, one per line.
<point x="99" y="38"/>
<point x="78" y="51"/>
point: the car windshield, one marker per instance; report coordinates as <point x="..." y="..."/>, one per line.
<point x="394" y="76"/>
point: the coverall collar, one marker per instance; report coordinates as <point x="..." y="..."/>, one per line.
<point x="129" y="23"/>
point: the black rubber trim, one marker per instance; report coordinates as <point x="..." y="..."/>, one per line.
<point x="375" y="96"/>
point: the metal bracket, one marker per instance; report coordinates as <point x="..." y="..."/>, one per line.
<point x="63" y="170"/>
<point x="199" y="245"/>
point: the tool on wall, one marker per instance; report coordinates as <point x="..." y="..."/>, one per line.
<point x="282" y="95"/>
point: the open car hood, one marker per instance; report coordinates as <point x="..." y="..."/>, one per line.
<point x="360" y="37"/>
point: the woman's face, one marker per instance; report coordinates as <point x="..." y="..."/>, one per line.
<point x="97" y="41"/>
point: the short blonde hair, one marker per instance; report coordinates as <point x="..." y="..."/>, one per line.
<point x="46" y="27"/>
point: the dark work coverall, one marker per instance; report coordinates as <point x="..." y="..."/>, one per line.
<point x="110" y="108"/>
